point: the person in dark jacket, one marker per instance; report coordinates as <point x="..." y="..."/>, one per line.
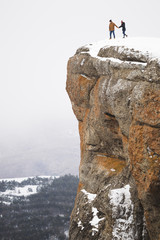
<point x="123" y="26"/>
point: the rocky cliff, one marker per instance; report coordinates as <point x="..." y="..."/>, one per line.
<point x="115" y="94"/>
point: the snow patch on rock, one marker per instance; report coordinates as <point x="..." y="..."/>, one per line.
<point x="80" y="224"/>
<point x="90" y="196"/>
<point x="116" y="60"/>
<point x="112" y="169"/>
<point x="85" y="76"/>
<point x="122" y="213"/>
<point x="83" y="60"/>
<point x="95" y="220"/>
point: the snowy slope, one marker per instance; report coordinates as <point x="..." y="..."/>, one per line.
<point x="19" y="180"/>
<point x="22" y="187"/>
<point x="21" y="191"/>
<point x="148" y="46"/>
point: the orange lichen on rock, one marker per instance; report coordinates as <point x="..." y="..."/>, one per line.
<point x="84" y="84"/>
<point x="148" y="110"/>
<point x="96" y="107"/>
<point x="82" y="128"/>
<point x="144" y="152"/>
<point x="79" y="111"/>
<point x="144" y="140"/>
<point x="80" y="186"/>
<point x="112" y="165"/>
<point x="82" y="88"/>
<point x="78" y="88"/>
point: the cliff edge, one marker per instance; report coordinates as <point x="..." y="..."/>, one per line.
<point x="114" y="88"/>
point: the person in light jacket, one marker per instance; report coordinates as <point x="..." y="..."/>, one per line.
<point x="112" y="26"/>
<point x="123" y="26"/>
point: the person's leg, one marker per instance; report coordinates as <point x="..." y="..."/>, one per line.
<point x="113" y="34"/>
<point x="110" y="34"/>
<point x="123" y="33"/>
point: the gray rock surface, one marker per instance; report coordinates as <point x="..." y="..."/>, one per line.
<point x="116" y="99"/>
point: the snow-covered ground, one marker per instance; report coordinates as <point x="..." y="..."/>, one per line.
<point x="19" y="180"/>
<point x="148" y="46"/>
<point x="24" y="189"/>
<point x="21" y="191"/>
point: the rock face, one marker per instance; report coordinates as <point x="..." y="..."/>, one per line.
<point x="116" y="99"/>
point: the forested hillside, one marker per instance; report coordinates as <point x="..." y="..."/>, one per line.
<point x="37" y="208"/>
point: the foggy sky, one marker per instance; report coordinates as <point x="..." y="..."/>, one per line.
<point x="37" y="39"/>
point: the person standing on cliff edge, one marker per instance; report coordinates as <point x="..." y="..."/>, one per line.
<point x="123" y="26"/>
<point x="112" y="25"/>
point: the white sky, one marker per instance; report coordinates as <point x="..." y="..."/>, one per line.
<point x="36" y="39"/>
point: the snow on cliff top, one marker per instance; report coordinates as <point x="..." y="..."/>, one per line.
<point x="148" y="46"/>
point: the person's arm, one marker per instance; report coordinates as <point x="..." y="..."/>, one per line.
<point x="115" y="25"/>
<point x="120" y="26"/>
